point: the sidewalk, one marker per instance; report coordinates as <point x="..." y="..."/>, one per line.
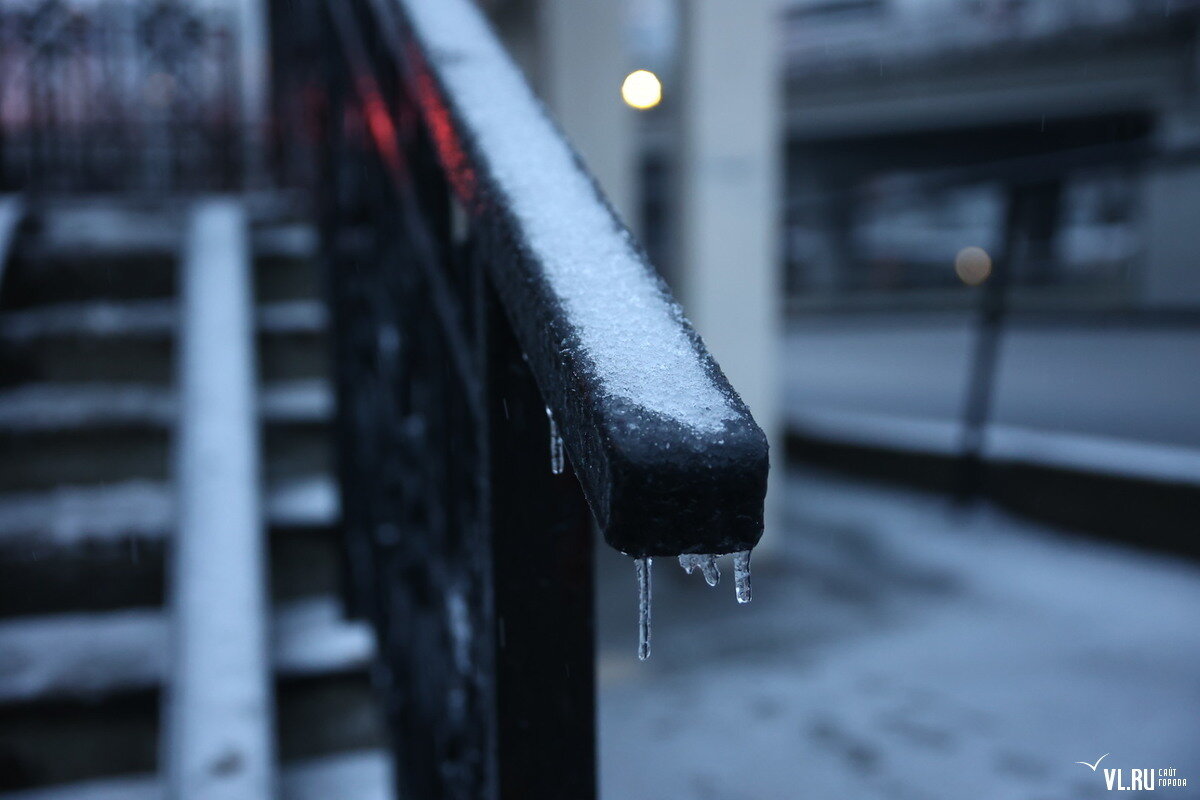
<point x="1113" y="399"/>
<point x="897" y="648"/>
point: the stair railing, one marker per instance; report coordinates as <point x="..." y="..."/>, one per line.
<point x="510" y="371"/>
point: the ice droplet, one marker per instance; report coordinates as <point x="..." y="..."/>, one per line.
<point x="557" y="460"/>
<point x="706" y="564"/>
<point x="741" y="575"/>
<point x="642" y="565"/>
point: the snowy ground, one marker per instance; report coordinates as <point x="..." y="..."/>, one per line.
<point x="899" y="648"/>
<point x="1109" y="397"/>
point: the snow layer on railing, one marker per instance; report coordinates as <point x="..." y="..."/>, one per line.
<point x="627" y="328"/>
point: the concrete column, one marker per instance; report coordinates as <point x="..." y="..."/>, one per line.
<point x="728" y="273"/>
<point x="581" y="62"/>
<point x="1171" y="193"/>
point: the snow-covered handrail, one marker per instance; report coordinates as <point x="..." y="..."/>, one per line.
<point x="505" y="358"/>
<point x="669" y="457"/>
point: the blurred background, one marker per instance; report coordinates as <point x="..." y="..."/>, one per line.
<point x="945" y="250"/>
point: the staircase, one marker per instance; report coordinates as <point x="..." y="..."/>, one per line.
<point x="89" y="422"/>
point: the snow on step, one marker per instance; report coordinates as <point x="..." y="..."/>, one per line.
<point x="88" y="655"/>
<point x="311" y="637"/>
<point x="63" y="406"/>
<point x="363" y="775"/>
<point x="292" y="316"/>
<point x="305" y="400"/>
<point x="67" y="406"/>
<point x="303" y="502"/>
<point x="139" y="788"/>
<point x="88" y="229"/>
<point x="92" y="318"/>
<point x="144" y="318"/>
<point x="72" y="515"/>
<point x="296" y="241"/>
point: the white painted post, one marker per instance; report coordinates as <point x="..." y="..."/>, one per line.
<point x="219" y="742"/>
<point x="728" y="275"/>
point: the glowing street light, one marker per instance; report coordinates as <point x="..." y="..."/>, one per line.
<point x="641" y="89"/>
<point x="973" y="265"/>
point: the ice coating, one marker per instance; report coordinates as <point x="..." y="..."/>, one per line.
<point x="557" y="458"/>
<point x="741" y="575"/>
<point x="626" y="327"/>
<point x="642" y="565"/>
<point x="707" y="564"/>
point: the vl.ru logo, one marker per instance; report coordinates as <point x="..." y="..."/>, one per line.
<point x="1143" y="779"/>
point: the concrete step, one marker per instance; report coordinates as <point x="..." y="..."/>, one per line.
<point x="132" y="342"/>
<point x="90" y="578"/>
<point x="80" y="516"/>
<point x="40" y="460"/>
<point x="69" y="407"/>
<point x="90" y="549"/>
<point x="304" y="562"/>
<point x="130" y="450"/>
<point x="38" y="276"/>
<point x="70" y="740"/>
<point x="48" y="458"/>
<point x="355" y="775"/>
<point x="89" y="656"/>
<point x="96" y="251"/>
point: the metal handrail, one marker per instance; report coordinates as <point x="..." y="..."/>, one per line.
<point x="662" y="477"/>
<point x="505" y="360"/>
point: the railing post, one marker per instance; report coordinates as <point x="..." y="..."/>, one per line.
<point x="544" y="672"/>
<point x="465" y="305"/>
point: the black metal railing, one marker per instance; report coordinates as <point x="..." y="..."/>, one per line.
<point x="135" y="95"/>
<point x="505" y="361"/>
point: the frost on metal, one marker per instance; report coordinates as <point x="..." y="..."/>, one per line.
<point x="557" y="458"/>
<point x="707" y="564"/>
<point x="642" y="567"/>
<point x="625" y="324"/>
<point x="741" y="575"/>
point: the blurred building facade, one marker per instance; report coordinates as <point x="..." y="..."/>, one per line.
<point x="912" y="124"/>
<point x="146" y="95"/>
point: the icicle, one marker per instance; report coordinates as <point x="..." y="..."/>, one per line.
<point x="706" y="564"/>
<point x="741" y="575"/>
<point x="557" y="461"/>
<point x="643" y="578"/>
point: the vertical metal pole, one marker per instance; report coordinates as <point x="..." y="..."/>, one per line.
<point x="1030" y="224"/>
<point x="541" y="546"/>
<point x="338" y="255"/>
<point x="982" y="375"/>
